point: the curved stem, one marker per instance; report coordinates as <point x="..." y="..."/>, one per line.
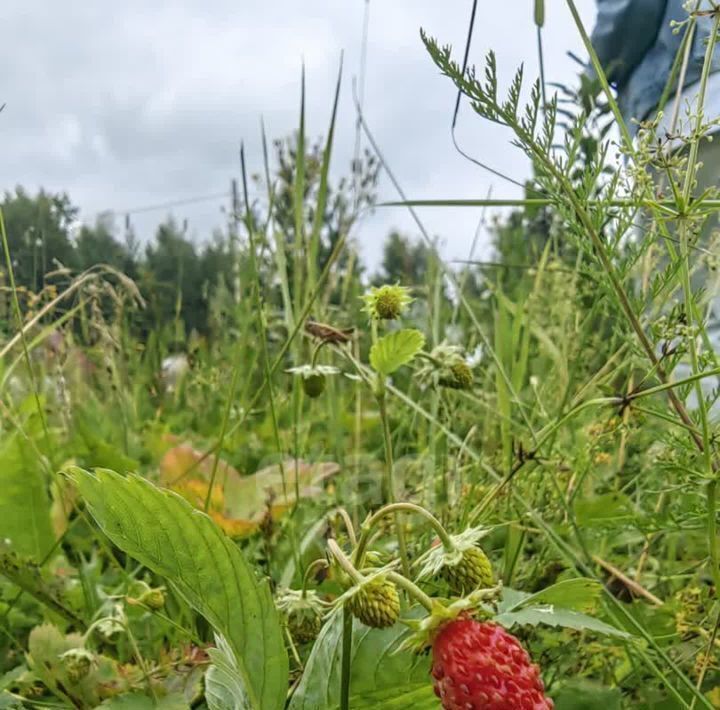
<point x="311" y="569"/>
<point x="342" y="559"/>
<point x="394" y="508"/>
<point x="316" y="352"/>
<point x="348" y="525"/>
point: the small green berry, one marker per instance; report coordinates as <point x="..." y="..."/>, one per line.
<point x="304" y="625"/>
<point x="154" y="599"/>
<point x="302" y="612"/>
<point x="473" y="571"/>
<point x="459" y="376"/>
<point x="387" y="302"/>
<point x="77" y="663"/>
<point x="376" y="604"/>
<point x="314" y="385"/>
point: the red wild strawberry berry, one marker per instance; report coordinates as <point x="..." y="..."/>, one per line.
<point x="480" y="666"/>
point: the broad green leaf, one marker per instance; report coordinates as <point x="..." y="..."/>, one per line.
<point x="395" y="350"/>
<point x="166" y="534"/>
<point x="554" y="616"/>
<point x="24" y="501"/>
<point x="578" y="594"/>
<point x="381" y="676"/>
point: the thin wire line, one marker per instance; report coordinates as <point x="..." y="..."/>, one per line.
<point x="170" y="203"/>
<point x="465" y="155"/>
<point x="361" y="98"/>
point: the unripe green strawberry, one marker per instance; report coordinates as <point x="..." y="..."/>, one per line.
<point x="314" y="385"/>
<point x="154" y="599"/>
<point x="458" y="377"/>
<point x="387" y="302"/>
<point x="77" y="663"/>
<point x="304" y="625"/>
<point x="376" y="603"/>
<point x="303" y="613"/>
<point x="472" y="572"/>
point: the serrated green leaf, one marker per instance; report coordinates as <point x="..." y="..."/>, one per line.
<point x="394" y="350"/>
<point x="381" y="676"/>
<point x="223" y="689"/>
<point x="554" y="616"/>
<point x="578" y="594"/>
<point x="166" y="534"/>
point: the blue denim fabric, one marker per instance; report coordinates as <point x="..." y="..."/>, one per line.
<point x="637" y="47"/>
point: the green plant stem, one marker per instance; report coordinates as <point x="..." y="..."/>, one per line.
<point x="342" y="559"/>
<point x="349" y="527"/>
<point x="223" y="430"/>
<point x="711" y="497"/>
<point x="390" y="479"/>
<point x="412" y="589"/>
<point x="346" y="658"/>
<point x="394" y="509"/>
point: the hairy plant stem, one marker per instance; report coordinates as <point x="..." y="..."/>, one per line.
<point x="349" y="527"/>
<point x="344" y="562"/>
<point x="412" y="590"/>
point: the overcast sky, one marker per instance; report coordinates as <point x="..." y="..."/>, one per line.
<point x="133" y="104"/>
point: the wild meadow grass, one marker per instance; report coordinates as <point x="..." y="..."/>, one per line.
<point x="192" y="521"/>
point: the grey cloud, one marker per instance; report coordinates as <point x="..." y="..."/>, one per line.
<point x="144" y="102"/>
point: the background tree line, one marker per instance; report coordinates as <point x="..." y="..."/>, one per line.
<point x="185" y="280"/>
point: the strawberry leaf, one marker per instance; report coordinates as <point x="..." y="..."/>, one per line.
<point x="554" y="616"/>
<point x="381" y="675"/>
<point x="396" y="349"/>
<point x="167" y="535"/>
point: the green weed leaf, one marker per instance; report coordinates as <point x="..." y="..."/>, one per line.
<point x="24" y="502"/>
<point x="170" y="537"/>
<point x="381" y="676"/>
<point x="395" y="350"/>
<point x="550" y="615"/>
<point x="578" y="594"/>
